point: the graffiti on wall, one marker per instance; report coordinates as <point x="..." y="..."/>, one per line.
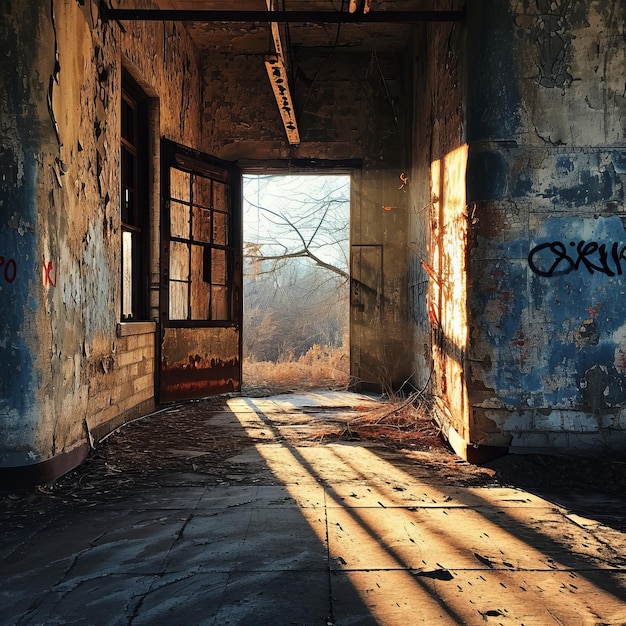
<point x="551" y="307"/>
<point x="49" y="273"/>
<point x="8" y="269"/>
<point x="555" y="258"/>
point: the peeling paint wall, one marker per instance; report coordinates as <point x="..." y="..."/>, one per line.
<point x="25" y="171"/>
<point x="438" y="222"/>
<point x="546" y="178"/>
<point x="530" y="265"/>
<point x="68" y="368"/>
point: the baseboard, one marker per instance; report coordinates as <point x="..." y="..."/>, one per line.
<point x="27" y="476"/>
<point x="477" y="454"/>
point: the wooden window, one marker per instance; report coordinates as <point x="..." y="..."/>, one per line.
<point x="134" y="201"/>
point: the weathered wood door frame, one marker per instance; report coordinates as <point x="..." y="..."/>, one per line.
<point x="201" y="274"/>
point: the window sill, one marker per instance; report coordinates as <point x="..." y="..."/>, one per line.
<point x="125" y="329"/>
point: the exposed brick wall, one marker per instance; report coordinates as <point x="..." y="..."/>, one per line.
<point x="125" y="382"/>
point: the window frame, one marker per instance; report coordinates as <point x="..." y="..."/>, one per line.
<point x="134" y="220"/>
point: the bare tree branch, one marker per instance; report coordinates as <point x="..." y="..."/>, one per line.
<point x="297" y="261"/>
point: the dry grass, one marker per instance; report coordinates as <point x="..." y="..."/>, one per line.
<point x="400" y="419"/>
<point x="322" y="367"/>
<point x="398" y="423"/>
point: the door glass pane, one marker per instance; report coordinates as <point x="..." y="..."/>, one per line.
<point x="201" y="224"/>
<point x="179" y="300"/>
<point x="220" y="196"/>
<point x="202" y="190"/>
<point x="218" y="267"/>
<point x="219" y="303"/>
<point x="180" y="184"/>
<point x="179" y="261"/>
<point x="220" y="229"/>
<point x="200" y="289"/>
<point x="179" y="220"/>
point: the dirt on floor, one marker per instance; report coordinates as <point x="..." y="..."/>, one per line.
<point x="187" y="442"/>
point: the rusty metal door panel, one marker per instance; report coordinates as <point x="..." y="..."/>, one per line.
<point x="201" y="274"/>
<point x="198" y="362"/>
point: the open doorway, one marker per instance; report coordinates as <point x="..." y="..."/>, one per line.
<point x="296" y="281"/>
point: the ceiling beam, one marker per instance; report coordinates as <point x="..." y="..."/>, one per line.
<point x="277" y="67"/>
<point x="283" y="17"/>
<point x="277" y="73"/>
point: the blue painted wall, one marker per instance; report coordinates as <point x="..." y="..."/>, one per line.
<point x="547" y="248"/>
<point x="22" y="93"/>
<point x="560" y="330"/>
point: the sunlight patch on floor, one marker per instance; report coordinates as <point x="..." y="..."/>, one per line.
<point x="454" y="554"/>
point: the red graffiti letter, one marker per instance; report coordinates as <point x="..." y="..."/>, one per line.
<point x="50" y="276"/>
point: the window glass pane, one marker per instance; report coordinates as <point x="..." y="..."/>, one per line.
<point x="129" y="212"/>
<point x="128" y="206"/>
<point x="134" y="203"/>
<point x="179" y="220"/>
<point x="200" y="290"/>
<point x="179" y="296"/>
<point x="128" y="168"/>
<point x="179" y="261"/>
<point x="220" y="197"/>
<point x="202" y="190"/>
<point x="220" y="229"/>
<point x="127" y="275"/>
<point x="128" y="121"/>
<point x="201" y="224"/>
<point x="180" y="184"/>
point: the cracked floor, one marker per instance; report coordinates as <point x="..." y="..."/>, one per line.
<point x="250" y="513"/>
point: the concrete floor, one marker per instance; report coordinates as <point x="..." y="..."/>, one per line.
<point x="309" y="534"/>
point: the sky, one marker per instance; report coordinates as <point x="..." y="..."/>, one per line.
<point x="280" y="210"/>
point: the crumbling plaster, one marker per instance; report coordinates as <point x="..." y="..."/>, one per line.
<point x="546" y="191"/>
<point x="571" y="71"/>
<point x="438" y="221"/>
<point x="66" y="368"/>
<point x="25" y="169"/>
<point x="538" y="97"/>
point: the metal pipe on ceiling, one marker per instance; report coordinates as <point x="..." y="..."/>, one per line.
<point x="284" y="17"/>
